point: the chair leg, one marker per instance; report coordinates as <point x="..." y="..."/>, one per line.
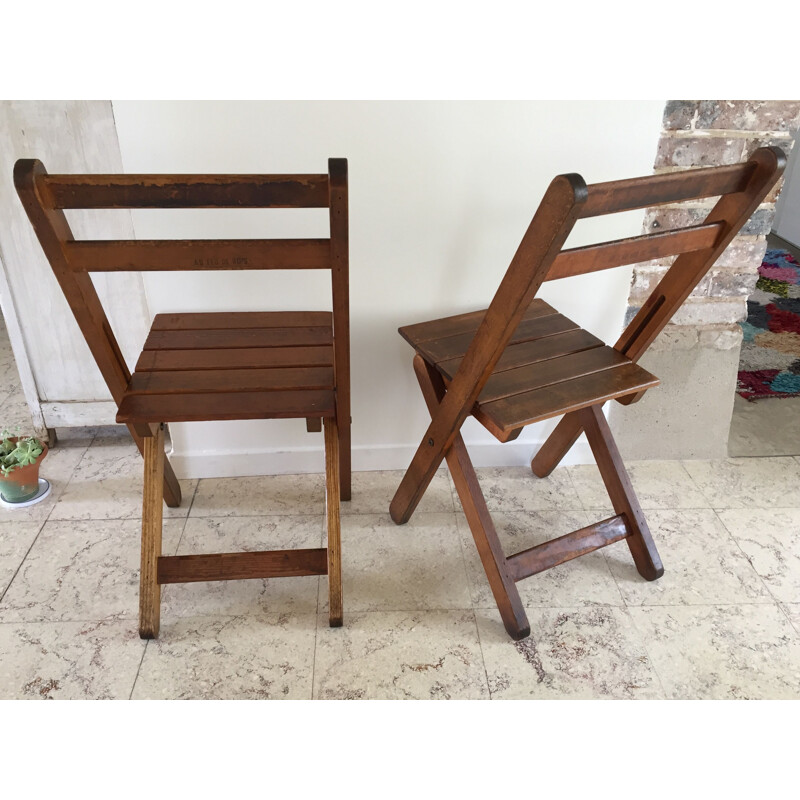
<point x="172" y="489"/>
<point x="152" y="510"/>
<point x="480" y="522"/>
<point x="620" y="490"/>
<point x="557" y="445"/>
<point x="345" y="470"/>
<point x="332" y="492"/>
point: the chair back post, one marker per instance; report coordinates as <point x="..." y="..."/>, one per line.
<point x="53" y="231"/>
<point x="731" y="211"/>
<point x="543" y="240"/>
<point x="340" y="290"/>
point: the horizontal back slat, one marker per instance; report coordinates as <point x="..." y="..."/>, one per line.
<point x="673" y="187"/>
<point x="593" y="258"/>
<point x="198" y="254"/>
<point x="185" y="191"/>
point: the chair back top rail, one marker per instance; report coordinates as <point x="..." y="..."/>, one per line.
<point x="184" y="191"/>
<point x="673" y="187"/>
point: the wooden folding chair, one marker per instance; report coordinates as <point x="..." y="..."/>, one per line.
<point x="519" y="361"/>
<point x="212" y="366"/>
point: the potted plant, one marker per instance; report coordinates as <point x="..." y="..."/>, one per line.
<point x="20" y="457"/>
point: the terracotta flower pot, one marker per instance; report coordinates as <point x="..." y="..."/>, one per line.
<point x="22" y="483"/>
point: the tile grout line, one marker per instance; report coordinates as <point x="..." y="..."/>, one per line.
<point x="651" y="660"/>
<point x="747" y="558"/>
<point x="323" y="537"/>
<point x="682" y="462"/>
<point x="483" y="656"/>
<point x="186" y="518"/>
<point x="139" y="669"/>
<point x="22" y="560"/>
<point x="41" y="528"/>
<point x="314" y="656"/>
<point x="788" y="618"/>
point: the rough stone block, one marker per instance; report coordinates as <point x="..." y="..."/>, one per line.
<point x="775" y="192"/>
<point x="742" y="252"/>
<point x="644" y="280"/>
<point x="699" y="151"/>
<point x="784" y="142"/>
<point x="748" y="115"/>
<point x="702" y="311"/>
<point x="679" y="114"/>
<point x="669" y="217"/>
<point x="732" y="283"/>
<point x="738" y="115"/>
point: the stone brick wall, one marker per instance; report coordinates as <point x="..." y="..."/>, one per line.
<point x="697" y="354"/>
<point x="700" y="133"/>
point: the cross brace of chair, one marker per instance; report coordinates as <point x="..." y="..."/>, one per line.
<point x="503" y="572"/>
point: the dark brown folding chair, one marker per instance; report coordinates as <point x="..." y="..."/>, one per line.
<point x="212" y="366"/>
<point x="520" y="361"/>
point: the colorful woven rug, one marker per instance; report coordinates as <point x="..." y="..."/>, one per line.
<point x="769" y="365"/>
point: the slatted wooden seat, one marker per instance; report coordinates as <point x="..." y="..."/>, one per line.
<point x="246" y="365"/>
<point x="212" y="366"/>
<point x="520" y="361"/>
<point x="550" y="367"/>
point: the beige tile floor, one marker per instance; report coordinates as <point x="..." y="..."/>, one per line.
<point x="723" y="622"/>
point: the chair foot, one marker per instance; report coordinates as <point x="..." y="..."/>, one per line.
<point x="517" y="634"/>
<point x="651" y="572"/>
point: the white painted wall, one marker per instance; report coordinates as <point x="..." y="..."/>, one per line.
<point x="440" y="195"/>
<point x="787" y="212"/>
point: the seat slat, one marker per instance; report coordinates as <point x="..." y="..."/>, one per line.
<point x="453" y="346"/>
<point x="231" y="380"/>
<point x="234" y="405"/>
<point x="244" y="358"/>
<point x="521" y="409"/>
<point x="222" y="320"/>
<point x="546" y="373"/>
<point x="231" y="339"/>
<point x="185" y="191"/>
<point x="462" y="323"/>
<point x="198" y="254"/>
<point x="517" y="355"/>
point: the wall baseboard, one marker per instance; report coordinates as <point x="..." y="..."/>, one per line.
<point x="79" y="413"/>
<point x="365" y="459"/>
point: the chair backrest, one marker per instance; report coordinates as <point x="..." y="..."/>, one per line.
<point x="46" y="196"/>
<point x="540" y="257"/>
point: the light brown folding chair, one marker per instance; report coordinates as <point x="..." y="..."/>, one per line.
<point x="212" y="366"/>
<point x="520" y="361"/>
